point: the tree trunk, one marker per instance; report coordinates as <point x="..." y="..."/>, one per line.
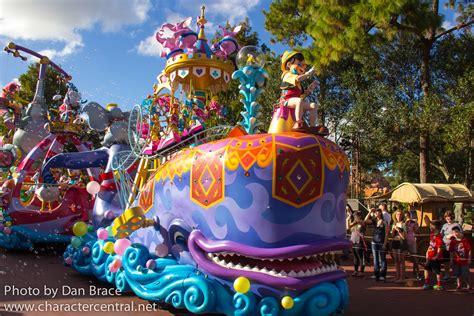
<point x="425" y="86"/>
<point x="441" y="166"/>
<point x="470" y="156"/>
<point x="424" y="157"/>
<point x="424" y="134"/>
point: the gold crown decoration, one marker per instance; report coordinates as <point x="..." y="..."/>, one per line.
<point x="61" y="127"/>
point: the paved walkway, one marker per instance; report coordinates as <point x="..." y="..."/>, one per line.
<point x="34" y="272"/>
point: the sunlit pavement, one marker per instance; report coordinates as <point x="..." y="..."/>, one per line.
<point x="368" y="297"/>
<point x="23" y="271"/>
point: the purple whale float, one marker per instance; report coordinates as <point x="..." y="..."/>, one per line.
<point x="225" y="221"/>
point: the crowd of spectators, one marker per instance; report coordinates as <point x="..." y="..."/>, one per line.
<point x="396" y="234"/>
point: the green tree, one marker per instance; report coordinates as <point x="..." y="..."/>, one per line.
<point x="53" y="84"/>
<point x="384" y="95"/>
<point x="344" y="28"/>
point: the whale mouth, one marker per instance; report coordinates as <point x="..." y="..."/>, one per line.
<point x="294" y="267"/>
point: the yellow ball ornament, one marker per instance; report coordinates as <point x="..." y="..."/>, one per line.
<point x="109" y="247"/>
<point x="242" y="285"/>
<point x="8" y="224"/>
<point x="79" y="229"/>
<point x="287" y="302"/>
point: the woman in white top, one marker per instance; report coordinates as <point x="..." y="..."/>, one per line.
<point x="399" y="245"/>
<point x="412" y="229"/>
<point x="357" y="227"/>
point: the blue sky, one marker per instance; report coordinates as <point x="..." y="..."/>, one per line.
<point x="108" y="46"/>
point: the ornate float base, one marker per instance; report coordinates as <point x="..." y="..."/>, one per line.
<point x="22" y="238"/>
<point x="185" y="287"/>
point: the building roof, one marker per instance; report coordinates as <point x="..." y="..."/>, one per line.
<point x="427" y="192"/>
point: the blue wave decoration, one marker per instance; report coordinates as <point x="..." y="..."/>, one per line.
<point x="23" y="238"/>
<point x="15" y="241"/>
<point x="185" y="287"/>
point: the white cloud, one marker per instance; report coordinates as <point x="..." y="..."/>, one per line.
<point x="233" y="10"/>
<point x="70" y="47"/>
<point x="149" y="46"/>
<point x="63" y="20"/>
<point x="175" y="17"/>
<point x="221" y="10"/>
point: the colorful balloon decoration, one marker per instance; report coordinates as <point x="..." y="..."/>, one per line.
<point x="109" y="247"/>
<point x="68" y="261"/>
<point x="80" y="229"/>
<point x="86" y="251"/>
<point x="151" y="264"/>
<point x="242" y="285"/>
<point x="287" y="302"/>
<point x="93" y="187"/>
<point x="121" y="245"/>
<point x="117" y="263"/>
<point x="76" y="242"/>
<point x="161" y="250"/>
<point x="102" y="234"/>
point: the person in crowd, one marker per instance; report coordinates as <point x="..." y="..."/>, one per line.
<point x="461" y="251"/>
<point x="349" y="219"/>
<point x="379" y="243"/>
<point x="447" y="233"/>
<point x="433" y="256"/>
<point x="349" y="215"/>
<point x="412" y="210"/>
<point x="412" y="229"/>
<point x="399" y="246"/>
<point x="357" y="227"/>
<point x="386" y="215"/>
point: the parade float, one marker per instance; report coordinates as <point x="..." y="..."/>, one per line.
<point x="39" y="203"/>
<point x="220" y="219"/>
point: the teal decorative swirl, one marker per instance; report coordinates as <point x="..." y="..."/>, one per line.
<point x="121" y="281"/>
<point x="344" y="291"/>
<point x="175" y="298"/>
<point x="244" y="304"/>
<point x="184" y="287"/>
<point x="99" y="258"/>
<point x="269" y="307"/>
<point x="323" y="299"/>
<point x="109" y="276"/>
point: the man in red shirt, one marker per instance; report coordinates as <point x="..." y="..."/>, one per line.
<point x="434" y="255"/>
<point x="460" y="249"/>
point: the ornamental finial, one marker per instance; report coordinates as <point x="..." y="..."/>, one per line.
<point x="201" y="21"/>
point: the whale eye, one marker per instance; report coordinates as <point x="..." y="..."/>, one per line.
<point x="179" y="237"/>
